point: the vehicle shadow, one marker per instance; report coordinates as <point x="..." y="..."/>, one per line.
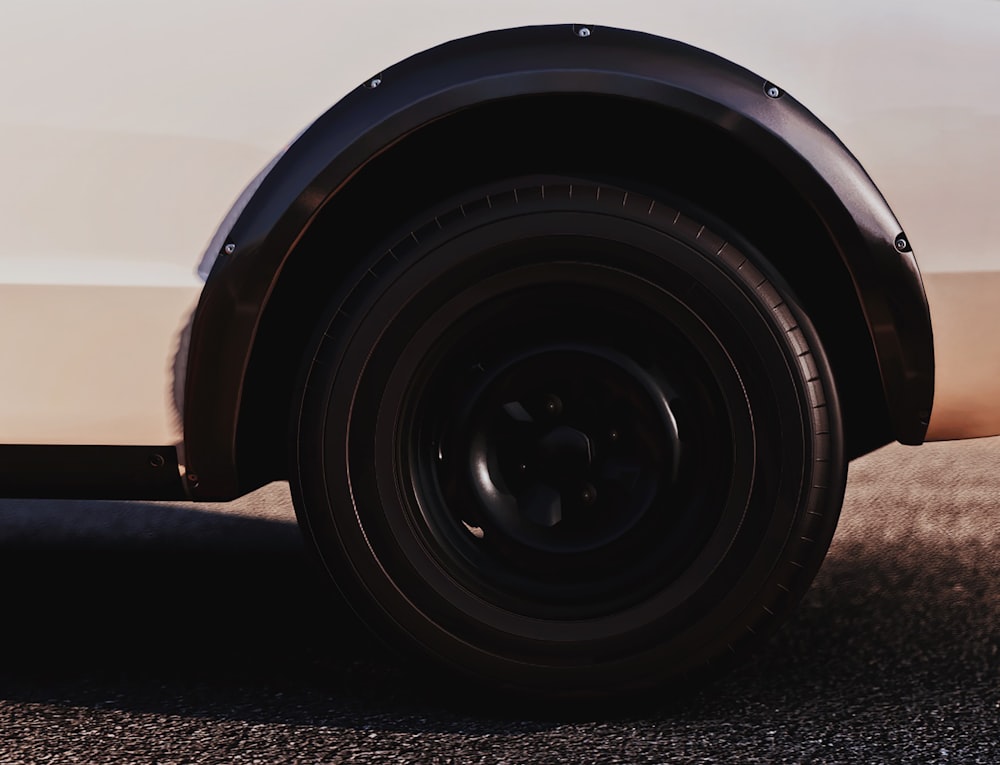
<point x="145" y="592"/>
<point x="174" y="609"/>
<point x="223" y="617"/>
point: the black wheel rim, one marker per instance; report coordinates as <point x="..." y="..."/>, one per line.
<point x="622" y="419"/>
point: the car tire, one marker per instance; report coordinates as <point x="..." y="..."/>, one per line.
<point x="565" y="440"/>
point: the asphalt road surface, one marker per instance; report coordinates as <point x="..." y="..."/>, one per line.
<point x="166" y="633"/>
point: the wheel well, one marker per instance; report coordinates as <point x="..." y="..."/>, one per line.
<point x="660" y="151"/>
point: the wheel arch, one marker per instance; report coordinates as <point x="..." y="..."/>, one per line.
<point x="337" y="179"/>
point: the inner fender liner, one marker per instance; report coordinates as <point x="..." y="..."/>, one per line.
<point x="534" y="61"/>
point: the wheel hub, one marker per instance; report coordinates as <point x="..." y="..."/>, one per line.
<point x="550" y="466"/>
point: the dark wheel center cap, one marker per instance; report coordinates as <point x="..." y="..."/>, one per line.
<point x="563" y="452"/>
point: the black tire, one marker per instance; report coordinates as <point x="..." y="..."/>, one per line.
<point x="563" y="440"/>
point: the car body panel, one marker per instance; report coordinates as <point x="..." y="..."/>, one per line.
<point x="134" y="128"/>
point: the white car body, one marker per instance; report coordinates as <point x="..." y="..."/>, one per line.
<point x="128" y="131"/>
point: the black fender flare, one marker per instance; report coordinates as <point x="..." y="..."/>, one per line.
<point x="537" y="61"/>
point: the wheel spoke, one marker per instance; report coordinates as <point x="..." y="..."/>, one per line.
<point x="516" y="411"/>
<point x="541" y="504"/>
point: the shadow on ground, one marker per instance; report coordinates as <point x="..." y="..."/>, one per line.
<point x="899" y="630"/>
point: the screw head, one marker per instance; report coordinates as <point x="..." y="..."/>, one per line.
<point x="901" y="244"/>
<point x="553" y="405"/>
<point x="614" y="435"/>
<point x="156" y="460"/>
<point x="772" y="91"/>
<point x="373" y="83"/>
<point x="229" y="249"/>
<point x="583" y="31"/>
<point x="588" y="494"/>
